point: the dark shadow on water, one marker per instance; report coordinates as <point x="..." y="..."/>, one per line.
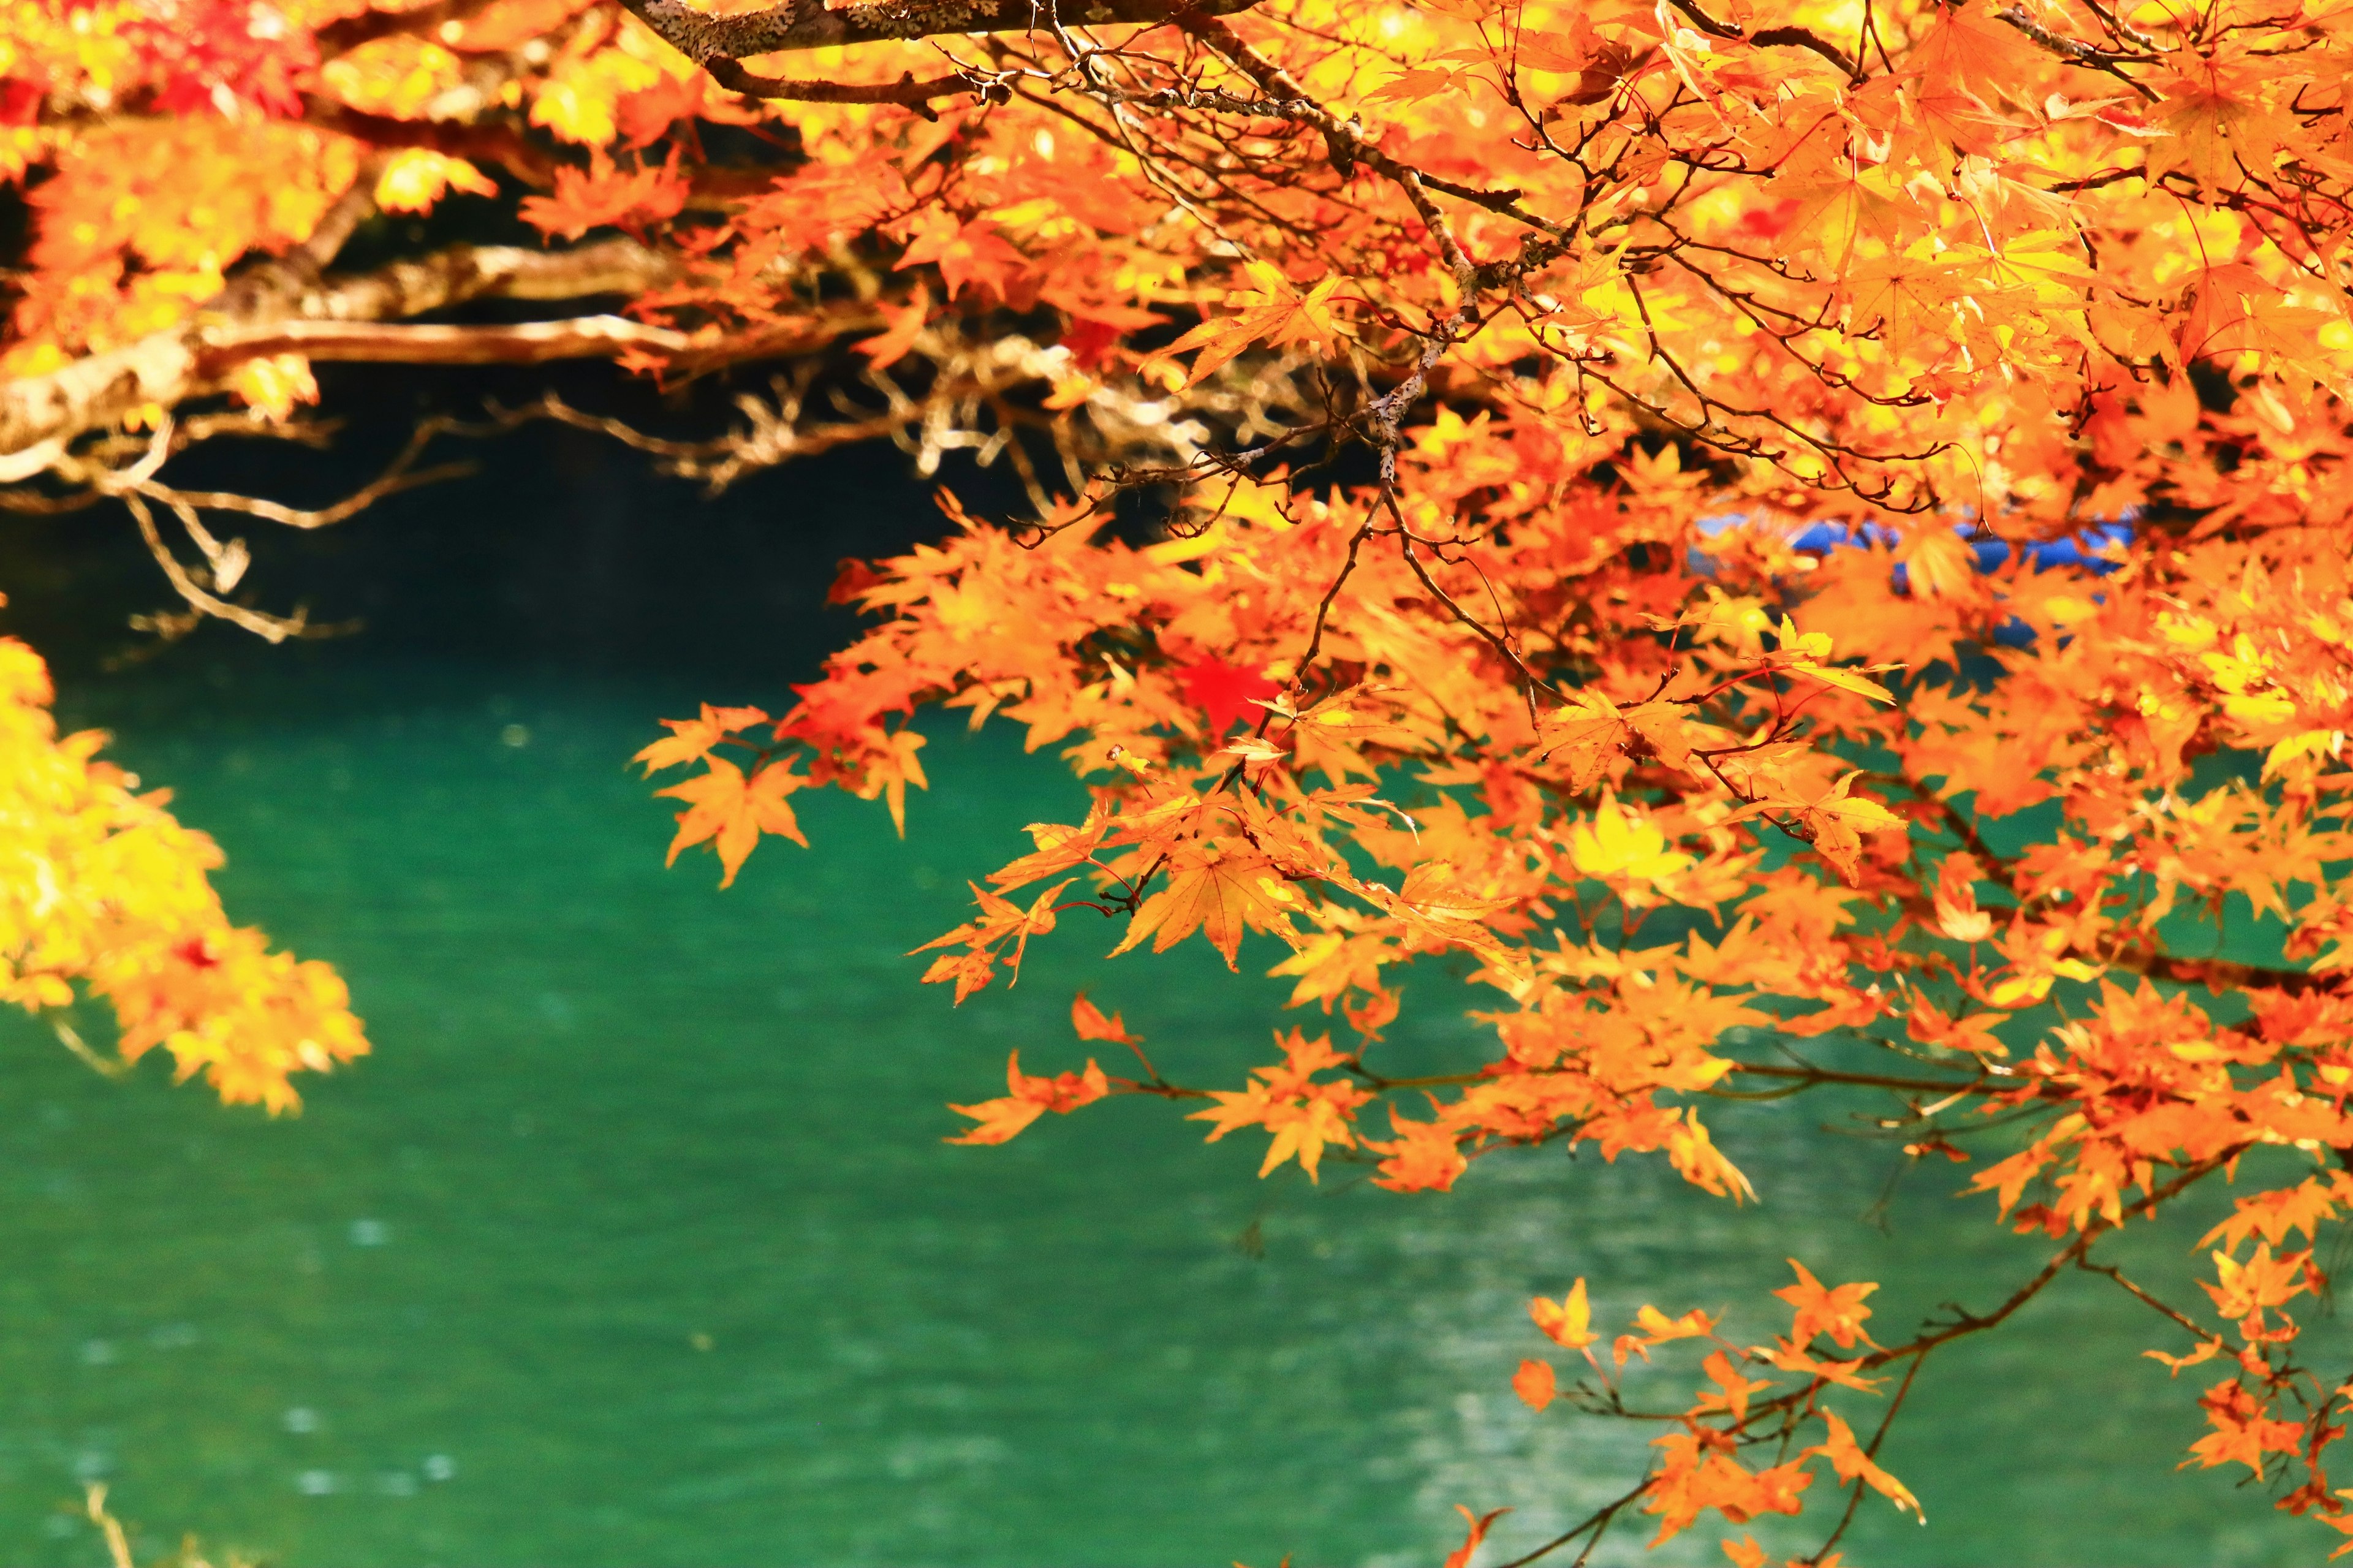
<point x="565" y="550"/>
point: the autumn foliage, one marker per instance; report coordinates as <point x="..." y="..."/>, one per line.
<point x="105" y="894"/>
<point x="1803" y="543"/>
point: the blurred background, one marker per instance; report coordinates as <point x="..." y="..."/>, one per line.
<point x="636" y="1241"/>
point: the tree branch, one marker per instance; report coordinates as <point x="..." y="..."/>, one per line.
<point x="335" y="318"/>
<point x="1770" y="38"/>
<point x="2221" y="974"/>
<point x="2077" y="52"/>
<point x="489" y="141"/>
<point x="808" y="24"/>
<point x="394" y="343"/>
<point x="907" y="91"/>
<point x="341" y="37"/>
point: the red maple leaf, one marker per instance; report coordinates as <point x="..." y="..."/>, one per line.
<point x="1224" y="691"/>
<point x="20" y="103"/>
<point x="215" y="54"/>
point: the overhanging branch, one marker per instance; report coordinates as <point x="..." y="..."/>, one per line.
<point x="809" y="25"/>
<point x="399" y="342"/>
<point x="907" y="91"/>
<point x="337" y="318"/>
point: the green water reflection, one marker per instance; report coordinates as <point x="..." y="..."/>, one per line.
<point x="635" y="1243"/>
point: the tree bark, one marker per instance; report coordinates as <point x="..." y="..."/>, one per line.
<point x="337" y="318"/>
<point x="400" y="343"/>
<point x="809" y="25"/>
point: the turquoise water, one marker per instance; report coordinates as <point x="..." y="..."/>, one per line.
<point x="635" y="1243"/>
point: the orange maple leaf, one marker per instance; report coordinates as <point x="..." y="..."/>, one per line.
<point x="690" y="740"/>
<point x="1001" y="922"/>
<point x="1535" y="1384"/>
<point x="1272" y="312"/>
<point x="1732" y="1389"/>
<point x="1460" y="1556"/>
<point x="604" y="195"/>
<point x="1217" y="893"/>
<point x="1089" y="1021"/>
<point x="1030" y="1098"/>
<point x="903" y="324"/>
<point x="1846" y="1457"/>
<point x="1823" y="1310"/>
<point x="725" y="806"/>
<point x="965" y="254"/>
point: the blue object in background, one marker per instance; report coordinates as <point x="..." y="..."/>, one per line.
<point x="2080" y="549"/>
<point x="2083" y="551"/>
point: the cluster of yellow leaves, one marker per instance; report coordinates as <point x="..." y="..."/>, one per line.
<point x="413" y="181"/>
<point x="101" y="889"/>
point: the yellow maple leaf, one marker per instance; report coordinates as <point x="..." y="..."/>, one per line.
<point x="1801" y="653"/>
<point x="1567" y="1321"/>
<point x="1839" y="818"/>
<point x="1615" y="844"/>
<point x="275" y="386"/>
<point x="1272" y="312"/>
<point x="415" y="178"/>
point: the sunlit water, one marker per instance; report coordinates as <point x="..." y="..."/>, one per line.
<point x="635" y="1242"/>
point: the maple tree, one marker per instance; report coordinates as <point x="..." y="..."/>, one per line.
<point x="1804" y="540"/>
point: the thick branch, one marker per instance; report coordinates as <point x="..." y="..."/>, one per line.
<point x="2221" y="974"/>
<point x="38" y="414"/>
<point x="395" y="342"/>
<point x="466" y="272"/>
<point x="809" y="25"/>
<point x="907" y="91"/>
<point x="495" y="141"/>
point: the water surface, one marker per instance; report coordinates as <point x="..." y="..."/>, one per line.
<point x="635" y="1242"/>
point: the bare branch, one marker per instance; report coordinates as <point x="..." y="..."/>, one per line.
<point x="2078" y="53"/>
<point x="269" y="628"/>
